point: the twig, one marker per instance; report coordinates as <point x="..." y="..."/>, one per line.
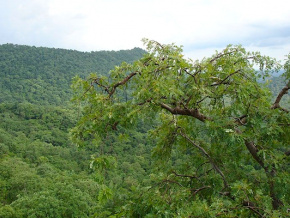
<point x="188" y="176"/>
<point x="222" y="82"/>
<point x="195" y="191"/>
<point x="217" y="169"/>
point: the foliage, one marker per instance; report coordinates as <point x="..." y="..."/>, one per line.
<point x="112" y="173"/>
<point x="43" y="75"/>
<point x="220" y="140"/>
<point x="42" y="173"/>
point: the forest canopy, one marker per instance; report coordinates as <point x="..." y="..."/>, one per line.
<point x="42" y="173"/>
<point x="44" y="75"/>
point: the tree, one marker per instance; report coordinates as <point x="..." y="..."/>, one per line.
<point x="222" y="139"/>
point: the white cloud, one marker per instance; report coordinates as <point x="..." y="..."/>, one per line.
<point x="200" y="25"/>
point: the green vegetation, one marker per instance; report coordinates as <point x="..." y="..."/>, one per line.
<point x="42" y="173"/>
<point x="43" y="75"/>
<point x="156" y="136"/>
<point x="220" y="140"/>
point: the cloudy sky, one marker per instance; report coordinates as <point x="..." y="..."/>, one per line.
<point x="201" y="26"/>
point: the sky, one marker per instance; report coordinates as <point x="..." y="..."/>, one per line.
<point x="200" y="26"/>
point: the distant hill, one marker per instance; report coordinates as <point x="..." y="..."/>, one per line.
<point x="43" y="75"/>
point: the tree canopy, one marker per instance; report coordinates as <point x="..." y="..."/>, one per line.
<point x="43" y="75"/>
<point x="42" y="174"/>
<point x="220" y="139"/>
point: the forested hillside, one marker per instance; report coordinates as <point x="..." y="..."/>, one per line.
<point x="42" y="173"/>
<point x="43" y="75"/>
<point x="119" y="150"/>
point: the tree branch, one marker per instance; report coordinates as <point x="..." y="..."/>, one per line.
<point x="171" y="181"/>
<point x="217" y="169"/>
<point x="221" y="55"/>
<point x="144" y="102"/>
<point x="279" y="97"/>
<point x="101" y="85"/>
<point x="187" y="176"/>
<point x="124" y="81"/>
<point x="252" y="207"/>
<point x="254" y="152"/>
<point x="222" y="82"/>
<point x="241" y="120"/>
<point x="203" y="99"/>
<point x="276" y="202"/>
<point x="195" y="191"/>
<point x="184" y="111"/>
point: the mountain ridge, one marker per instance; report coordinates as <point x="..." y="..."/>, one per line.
<point x="43" y="75"/>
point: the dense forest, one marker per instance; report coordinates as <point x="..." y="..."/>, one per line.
<point x="43" y="76"/>
<point x="104" y="148"/>
<point x="42" y="173"/>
